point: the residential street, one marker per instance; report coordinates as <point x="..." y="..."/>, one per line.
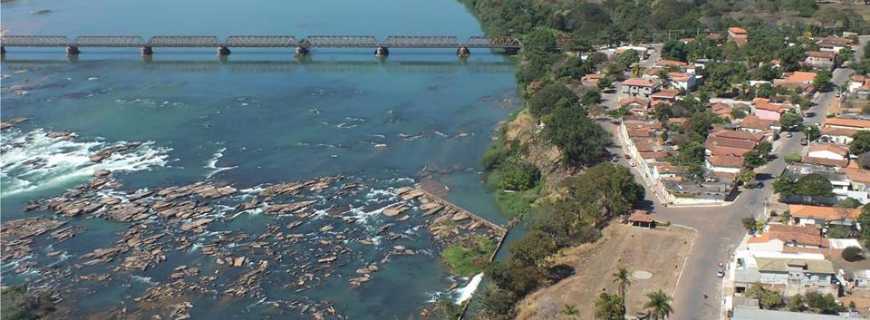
<point x="719" y="228"/>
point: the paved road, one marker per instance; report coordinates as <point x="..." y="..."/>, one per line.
<point x="719" y="229"/>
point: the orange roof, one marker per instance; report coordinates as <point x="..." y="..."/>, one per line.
<point x="822" y="54"/>
<point x="856" y="174"/>
<point x="800" y="76"/>
<point x="736" y="30"/>
<point x="804" y="235"/>
<point x="726" y="161"/>
<point x="835" y="148"/>
<point x="666" y="94"/>
<point x="641" y="216"/>
<point x="673" y="63"/>
<point x="831" y="131"/>
<point x="679" y="76"/>
<point x="633" y="100"/>
<point x="823" y="213"/>
<point x="721" y="109"/>
<point x="765" y="104"/>
<point x="753" y="122"/>
<point x="637" y="82"/>
<point x="846" y="122"/>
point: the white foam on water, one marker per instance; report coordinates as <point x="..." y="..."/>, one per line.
<point x="145" y="280"/>
<point x="33" y="161"/>
<point x="468" y="290"/>
<point x="363" y="216"/>
<point x="212" y="164"/>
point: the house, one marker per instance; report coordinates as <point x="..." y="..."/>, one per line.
<point x="639" y="87"/>
<point x="723" y="110"/>
<point x="841" y="130"/>
<point x="643" y="219"/>
<point x="766" y="110"/>
<point x="834" y="44"/>
<point x="839" y="180"/>
<point x="807" y="215"/>
<point x="827" y="154"/>
<point x="738" y="35"/>
<point x="636" y="105"/>
<point x="668" y="96"/>
<point x="859" y="182"/>
<point x="859" y="82"/>
<point x="824" y="60"/>
<point x="724" y="163"/>
<point x="665" y="63"/>
<point x="731" y="142"/>
<point x="754" y="124"/>
<point x="789" y="276"/>
<point x="779" y="236"/>
<point x="683" y="81"/>
<point x="796" y="80"/>
<point x="754" y="313"/>
<point x="679" y="191"/>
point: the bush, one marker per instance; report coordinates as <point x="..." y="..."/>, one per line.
<point x="792" y="157"/>
<point x="468" y="257"/>
<point x="518" y="176"/>
<point x="515" y="204"/>
<point x="853" y="254"/>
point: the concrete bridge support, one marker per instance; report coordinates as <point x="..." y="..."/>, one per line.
<point x="72" y="50"/>
<point x="2" y="50"/>
<point x="301" y="51"/>
<point x="463" y="51"/>
<point x="382" y="51"/>
<point x="223" y="51"/>
<point x="146" y="51"/>
<point x="511" y="51"/>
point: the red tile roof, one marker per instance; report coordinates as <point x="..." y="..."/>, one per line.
<point x="822" y="54"/>
<point x="641" y="216"/>
<point x="846" y="122"/>
<point x="802" y="235"/>
<point x="736" y="30"/>
<point x="666" y="94"/>
<point x="637" y="82"/>
<point x="823" y="213"/>
<point x="727" y="161"/>
<point x="756" y="123"/>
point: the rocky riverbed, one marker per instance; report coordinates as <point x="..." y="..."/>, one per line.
<point x="186" y="242"/>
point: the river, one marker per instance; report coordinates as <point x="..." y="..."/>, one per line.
<point x="260" y="117"/>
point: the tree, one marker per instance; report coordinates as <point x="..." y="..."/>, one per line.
<point x="675" y="50"/>
<point x="518" y="176"/>
<point x="590" y="97"/>
<point x="746" y="176"/>
<point x="820" y="303"/>
<point x="580" y="140"/>
<point x="750" y="224"/>
<point x="533" y="248"/>
<point x="822" y="82"/>
<point x="850" y="203"/>
<point x="758" y="156"/>
<point x="864" y="220"/>
<point x="604" y="83"/>
<point x="609" y="307"/>
<point x="767" y="299"/>
<point x="791" y="120"/>
<point x="622" y="278"/>
<point x="659" y="304"/>
<point x="860" y="142"/>
<point x="545" y="100"/>
<point x="815" y="185"/>
<point x="853" y="254"/>
<point x="602" y="192"/>
<point x="796" y="303"/>
<point x="812" y="132"/>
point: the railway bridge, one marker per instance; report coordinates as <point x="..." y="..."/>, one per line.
<point x="302" y="47"/>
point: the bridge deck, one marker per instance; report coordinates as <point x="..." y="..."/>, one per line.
<point x="260" y="41"/>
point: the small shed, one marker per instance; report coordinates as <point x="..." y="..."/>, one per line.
<point x="643" y="219"/>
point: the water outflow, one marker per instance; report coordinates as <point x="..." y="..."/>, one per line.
<point x="35" y="160"/>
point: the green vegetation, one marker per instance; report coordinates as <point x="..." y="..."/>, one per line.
<point x="792" y="157"/>
<point x="582" y="141"/>
<point x="864" y="220"/>
<point x="758" y="156"/>
<point x="19" y="304"/>
<point x="850" y="203"/>
<point x="836" y="231"/>
<point x="468" y="257"/>
<point x="791" y="121"/>
<point x="609" y="307"/>
<point x="853" y="254"/>
<point x="861" y="143"/>
<point x="767" y="299"/>
<point x="659" y="304"/>
<point x="814" y="185"/>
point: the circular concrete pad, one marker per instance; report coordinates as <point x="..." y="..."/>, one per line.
<point x="641" y="275"/>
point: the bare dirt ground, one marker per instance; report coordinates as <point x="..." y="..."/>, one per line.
<point x="660" y="252"/>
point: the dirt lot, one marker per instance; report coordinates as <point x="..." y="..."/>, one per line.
<point x="660" y="252"/>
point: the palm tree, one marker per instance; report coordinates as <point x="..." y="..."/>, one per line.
<point x="609" y="307"/>
<point x="659" y="304"/>
<point x="622" y="278"/>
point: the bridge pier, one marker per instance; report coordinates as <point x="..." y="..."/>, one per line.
<point x="511" y="50"/>
<point x="2" y="50"/>
<point x="301" y="51"/>
<point x="146" y="51"/>
<point x="223" y="51"/>
<point x="72" y="50"/>
<point x="382" y="51"/>
<point x="463" y="51"/>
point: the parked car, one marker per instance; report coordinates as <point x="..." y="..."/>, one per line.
<point x="804" y="141"/>
<point x="788" y="135"/>
<point x="720" y="274"/>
